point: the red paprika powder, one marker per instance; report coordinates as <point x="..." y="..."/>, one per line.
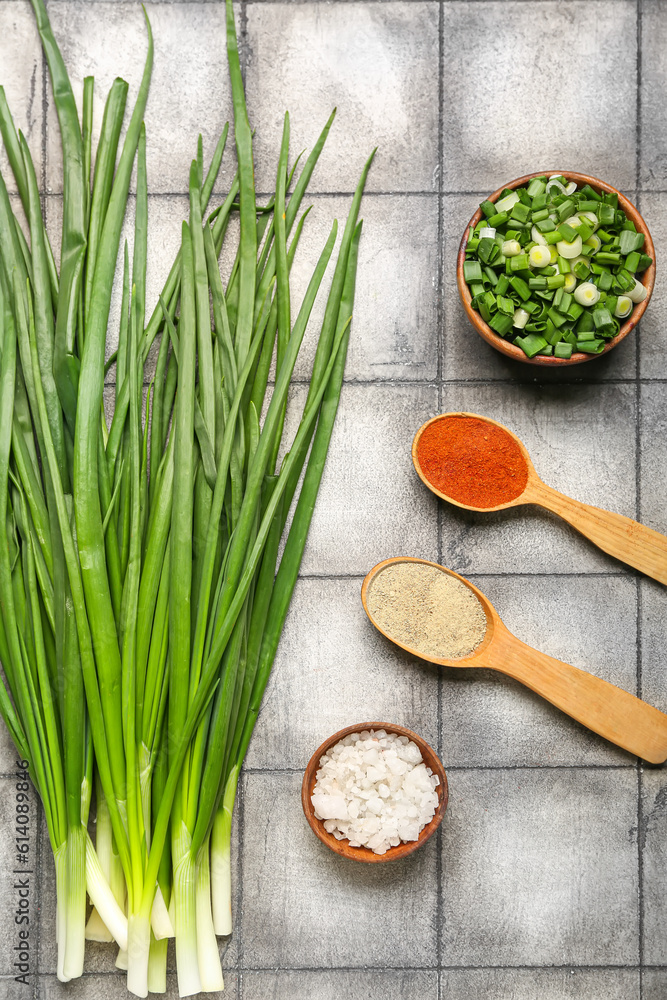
<point x="472" y="461"/>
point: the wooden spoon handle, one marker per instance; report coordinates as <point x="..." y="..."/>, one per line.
<point x="627" y="540"/>
<point x="606" y="709"/>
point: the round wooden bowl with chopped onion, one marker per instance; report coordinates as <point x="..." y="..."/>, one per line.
<point x="343" y="847"/>
<point x="515" y="352"/>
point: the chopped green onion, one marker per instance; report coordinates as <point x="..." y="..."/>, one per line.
<point x="586" y="294"/>
<point x="520" y="212"/>
<point x="510" y="248"/>
<point x="555" y="281"/>
<point x="624" y="307"/>
<point x="563" y="350"/>
<point x="472" y="270"/>
<point x="520" y="286"/>
<point x="507" y="203"/>
<point x="532" y="344"/>
<point x="590" y="346"/>
<point x="539" y="256"/>
<point x="638" y="292"/>
<point x="501" y="323"/>
<point x="536" y="187"/>
<point x="569" y="248"/>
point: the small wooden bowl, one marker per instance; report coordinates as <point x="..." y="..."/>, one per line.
<point x="342" y="847"/>
<point x="578" y="357"/>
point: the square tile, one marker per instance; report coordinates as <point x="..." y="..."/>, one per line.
<point x="394" y="330"/>
<point x="653" y="625"/>
<point x="376" y="62"/>
<point x="19" y="886"/>
<point x="109" y="40"/>
<point x="499" y="122"/>
<point x="331" y="912"/>
<point x="548" y="984"/>
<point x="22" y="80"/>
<point x="653" y="170"/>
<point x="540" y="868"/>
<point x="491" y="720"/>
<point x="581" y="440"/>
<point x="340" y="984"/>
<point x="371" y="504"/>
<point x="467" y="356"/>
<point x="320" y="684"/>
<point x="652" y="338"/>
<point x="654" y="864"/>
<point x="12" y="990"/>
<point x="653" y="454"/>
<point x="654" y="984"/>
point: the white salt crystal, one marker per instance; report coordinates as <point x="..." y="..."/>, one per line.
<point x="373" y="789"/>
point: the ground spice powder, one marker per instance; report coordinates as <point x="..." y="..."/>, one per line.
<point x="472" y="461"/>
<point x="427" y="609"/>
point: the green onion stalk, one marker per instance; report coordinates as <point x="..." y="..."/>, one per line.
<point x="142" y="590"/>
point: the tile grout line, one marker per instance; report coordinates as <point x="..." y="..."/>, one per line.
<point x="630" y="766"/>
<point x="439" y="513"/>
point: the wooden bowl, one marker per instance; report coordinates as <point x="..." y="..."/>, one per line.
<point x="647" y="278"/>
<point x="343" y="847"/>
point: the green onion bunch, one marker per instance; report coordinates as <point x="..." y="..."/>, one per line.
<point x="553" y="267"/>
<point x="149" y="561"/>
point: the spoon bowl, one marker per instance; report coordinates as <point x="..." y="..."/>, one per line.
<point x="615" y="714"/>
<point x="364" y="854"/>
<point x="619" y="536"/>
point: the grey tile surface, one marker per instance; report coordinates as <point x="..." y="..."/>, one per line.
<point x="320" y="900"/>
<point x="377" y="63"/>
<point x="540" y="868"/>
<point x="320" y="684"/>
<point x="653" y="627"/>
<point x="395" y="323"/>
<point x="651" y="331"/>
<point x="653" y="169"/>
<point x="654" y="869"/>
<point x="653" y="456"/>
<point x="654" y="983"/>
<point x="21" y="77"/>
<point x="369" y="490"/>
<point x="340" y="985"/>
<point x="489" y="719"/>
<point x="596" y="466"/>
<point x="495" y="123"/>
<point x="546" y="873"/>
<point x="109" y="40"/>
<point x="548" y="984"/>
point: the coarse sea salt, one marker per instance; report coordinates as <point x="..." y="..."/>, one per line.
<point x="374" y="790"/>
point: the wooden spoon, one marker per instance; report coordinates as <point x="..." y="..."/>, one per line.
<point x="619" y="536"/>
<point x="606" y="709"/>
